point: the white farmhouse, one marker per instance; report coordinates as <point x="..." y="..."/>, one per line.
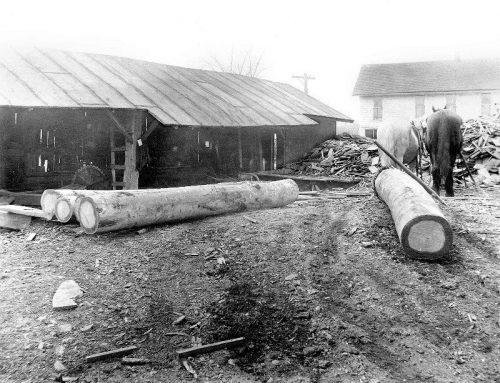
<point x="410" y="90"/>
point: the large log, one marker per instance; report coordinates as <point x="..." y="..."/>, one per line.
<point x="64" y="203"/>
<point x="130" y="208"/>
<point x="422" y="229"/>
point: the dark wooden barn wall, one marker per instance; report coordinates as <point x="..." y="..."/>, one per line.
<point x="43" y="148"/>
<point x="301" y="139"/>
<point x="187" y="155"/>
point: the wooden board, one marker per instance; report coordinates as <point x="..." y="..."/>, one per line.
<point x="24" y="210"/>
<point x="13" y="221"/>
<point x="210" y="347"/>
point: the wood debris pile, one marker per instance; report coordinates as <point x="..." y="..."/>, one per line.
<point x="481" y="148"/>
<point x="346" y="156"/>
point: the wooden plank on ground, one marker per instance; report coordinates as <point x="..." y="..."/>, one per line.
<point x="184" y="353"/>
<point x="110" y="354"/>
<point x="13" y="221"/>
<point x="24" y="210"/>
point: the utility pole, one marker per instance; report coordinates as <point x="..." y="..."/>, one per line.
<point x="305" y="77"/>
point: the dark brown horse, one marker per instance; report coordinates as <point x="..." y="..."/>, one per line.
<point x="444" y="143"/>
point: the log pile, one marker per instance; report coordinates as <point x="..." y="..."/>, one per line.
<point x="481" y="147"/>
<point x="350" y="156"/>
<point x="100" y="211"/>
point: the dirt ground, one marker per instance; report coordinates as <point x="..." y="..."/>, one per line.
<point x="320" y="289"/>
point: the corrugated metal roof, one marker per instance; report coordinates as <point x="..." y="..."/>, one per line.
<point x="174" y="95"/>
<point x="431" y="76"/>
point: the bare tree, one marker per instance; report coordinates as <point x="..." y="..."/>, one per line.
<point x="247" y="63"/>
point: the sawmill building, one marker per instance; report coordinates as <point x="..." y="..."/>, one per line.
<point x="144" y="124"/>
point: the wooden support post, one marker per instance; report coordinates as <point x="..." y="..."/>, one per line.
<point x="422" y="229"/>
<point x="240" y="149"/>
<point x="259" y="143"/>
<point x="131" y="174"/>
<point x="113" y="156"/>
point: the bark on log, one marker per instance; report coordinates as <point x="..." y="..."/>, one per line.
<point x="130" y="208"/>
<point x="422" y="229"/>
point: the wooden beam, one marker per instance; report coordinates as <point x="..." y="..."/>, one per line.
<point x="110" y="354"/>
<point x="119" y="125"/>
<point x="184" y="353"/>
<point x="13" y="221"/>
<point x="24" y="210"/>
<point x="150" y="130"/>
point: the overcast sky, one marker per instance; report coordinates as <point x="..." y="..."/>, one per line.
<point x="327" y="39"/>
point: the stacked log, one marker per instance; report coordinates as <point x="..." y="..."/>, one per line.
<point x="110" y="210"/>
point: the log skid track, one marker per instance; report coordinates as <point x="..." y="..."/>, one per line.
<point x="321" y="290"/>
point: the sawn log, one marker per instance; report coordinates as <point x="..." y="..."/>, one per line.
<point x="422" y="229"/>
<point x="122" y="209"/>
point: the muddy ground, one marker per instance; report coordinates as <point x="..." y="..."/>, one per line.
<point x="320" y="290"/>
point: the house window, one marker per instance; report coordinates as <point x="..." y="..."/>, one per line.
<point x="485" y="104"/>
<point x="419" y="106"/>
<point x="451" y="102"/>
<point x="377" y="108"/>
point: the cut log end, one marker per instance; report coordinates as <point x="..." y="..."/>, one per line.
<point x="427" y="237"/>
<point x="48" y="202"/>
<point x="88" y="215"/>
<point x="63" y="210"/>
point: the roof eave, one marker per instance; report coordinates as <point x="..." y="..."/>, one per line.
<point x="418" y="92"/>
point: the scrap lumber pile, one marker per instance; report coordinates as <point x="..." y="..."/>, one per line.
<point x="481" y="147"/>
<point x="346" y="156"/>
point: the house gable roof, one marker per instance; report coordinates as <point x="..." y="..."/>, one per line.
<point x="428" y="77"/>
<point x="173" y="95"/>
